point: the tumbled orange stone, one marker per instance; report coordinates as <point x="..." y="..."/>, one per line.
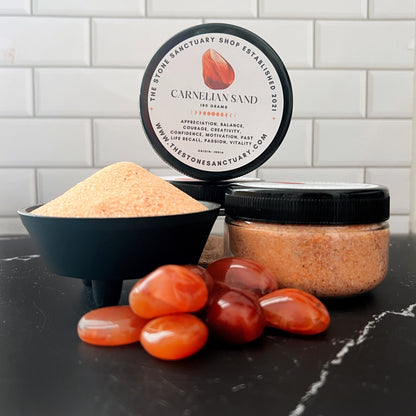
<point x="174" y="337"/>
<point x="296" y="311"/>
<point x="110" y="326"/>
<point x="168" y="289"/>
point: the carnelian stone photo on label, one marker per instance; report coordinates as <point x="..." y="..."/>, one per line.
<point x="217" y="72"/>
<point x="110" y="326"/>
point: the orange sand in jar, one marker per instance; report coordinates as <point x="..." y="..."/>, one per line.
<point x="327" y="261"/>
<point x="122" y="189"/>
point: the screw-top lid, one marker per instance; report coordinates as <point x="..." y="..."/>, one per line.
<point x="309" y="203"/>
<point x="212" y="191"/>
<point x="215" y="101"/>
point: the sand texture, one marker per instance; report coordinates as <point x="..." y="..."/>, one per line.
<point x="122" y="189"/>
<point x="327" y="261"/>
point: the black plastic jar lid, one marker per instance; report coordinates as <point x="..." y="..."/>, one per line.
<point x="215" y="101"/>
<point x="309" y="203"/>
<point x="212" y="191"/>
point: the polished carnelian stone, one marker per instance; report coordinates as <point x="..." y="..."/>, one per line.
<point x="201" y="271"/>
<point x="234" y="315"/>
<point x="243" y="273"/>
<point x="295" y="311"/>
<point x="174" y="337"/>
<point x="168" y="289"/>
<point x="110" y="326"/>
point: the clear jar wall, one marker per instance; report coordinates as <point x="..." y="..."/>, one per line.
<point x="325" y="260"/>
<point x="214" y="248"/>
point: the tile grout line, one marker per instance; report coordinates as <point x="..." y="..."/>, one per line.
<point x="37" y="185"/>
<point x="314" y="46"/>
<point x="313" y="120"/>
<point x="91" y="118"/>
<point x="36" y="177"/>
<point x="33" y="69"/>
<point x="367" y="92"/>
<point x="90" y="38"/>
<point x="313" y="144"/>
<point x="212" y="17"/>
<point x="366" y="89"/>
<point x="92" y="142"/>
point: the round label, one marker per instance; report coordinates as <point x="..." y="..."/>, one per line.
<point x="216" y="101"/>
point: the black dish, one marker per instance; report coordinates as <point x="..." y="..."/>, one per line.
<point x="106" y="251"/>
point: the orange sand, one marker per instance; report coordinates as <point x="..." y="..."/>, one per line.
<point x="213" y="250"/>
<point x="123" y="189"/>
<point x="323" y="260"/>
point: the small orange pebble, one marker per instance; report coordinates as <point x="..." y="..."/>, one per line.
<point x="234" y="315"/>
<point x="243" y="273"/>
<point x="168" y="289"/>
<point x="201" y="271"/>
<point x="174" y="337"/>
<point x="295" y="311"/>
<point x="111" y="326"/>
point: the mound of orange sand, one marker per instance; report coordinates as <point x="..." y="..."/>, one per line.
<point x="122" y="189"/>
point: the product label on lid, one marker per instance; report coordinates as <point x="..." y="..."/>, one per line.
<point x="215" y="101"/>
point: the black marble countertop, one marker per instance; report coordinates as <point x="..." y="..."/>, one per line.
<point x="364" y="364"/>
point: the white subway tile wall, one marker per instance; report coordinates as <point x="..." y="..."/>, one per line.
<point x="362" y="142"/>
<point x="54" y="181"/>
<point x="87" y="92"/>
<point x="364" y="44"/>
<point x="335" y="9"/>
<point x="89" y="7"/>
<point x="296" y="148"/>
<point x="328" y="93"/>
<point x="202" y="8"/>
<point x="390" y="93"/>
<point x="397" y="180"/>
<point x="16" y="92"/>
<point x="298" y="53"/>
<point x="44" y="49"/>
<point x="132" y="46"/>
<point x="37" y="142"/>
<point x="16" y="190"/>
<point x="71" y="70"/>
<point x="116" y="140"/>
<point x="387" y="9"/>
<point x="15" y="7"/>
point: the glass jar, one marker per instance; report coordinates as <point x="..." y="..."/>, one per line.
<point x="212" y="191"/>
<point x="330" y="240"/>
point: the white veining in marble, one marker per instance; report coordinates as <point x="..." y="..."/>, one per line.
<point x="314" y="388"/>
<point x="22" y="258"/>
